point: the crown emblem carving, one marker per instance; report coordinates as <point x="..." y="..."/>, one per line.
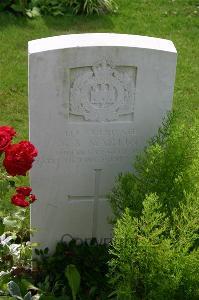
<point x="101" y="93"/>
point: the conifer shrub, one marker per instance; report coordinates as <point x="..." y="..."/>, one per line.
<point x="168" y="167"/>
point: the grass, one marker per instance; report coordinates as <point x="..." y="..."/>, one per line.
<point x="177" y="20"/>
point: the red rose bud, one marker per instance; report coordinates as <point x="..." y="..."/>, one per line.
<point x="24" y="190"/>
<point x="19" y="200"/>
<point x="32" y="198"/>
<point x="19" y="158"/>
<point x="6" y="135"/>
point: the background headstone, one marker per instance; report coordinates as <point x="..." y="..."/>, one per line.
<point x="94" y="100"/>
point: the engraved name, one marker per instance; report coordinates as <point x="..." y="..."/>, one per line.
<point x="105" y="145"/>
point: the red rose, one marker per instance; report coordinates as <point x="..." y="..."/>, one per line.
<point x="6" y="135"/>
<point x="4" y="141"/>
<point x="19" y="158"/>
<point x="19" y="200"/>
<point x="24" y="190"/>
<point x="10" y="130"/>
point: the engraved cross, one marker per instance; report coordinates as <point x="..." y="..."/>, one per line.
<point x="95" y="198"/>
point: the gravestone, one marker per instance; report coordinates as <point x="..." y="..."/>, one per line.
<point x="94" y="101"/>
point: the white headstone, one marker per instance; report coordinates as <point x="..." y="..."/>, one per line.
<point x="94" y="99"/>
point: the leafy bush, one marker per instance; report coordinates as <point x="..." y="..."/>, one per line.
<point x="51" y="7"/>
<point x="33" y="8"/>
<point x="18" y="6"/>
<point x="5" y="4"/>
<point x="89" y="258"/>
<point x="15" y="249"/>
<point x="60" y="7"/>
<point x="169" y="167"/>
<point x="154" y="259"/>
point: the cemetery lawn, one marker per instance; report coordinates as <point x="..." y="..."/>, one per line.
<point x="176" y="20"/>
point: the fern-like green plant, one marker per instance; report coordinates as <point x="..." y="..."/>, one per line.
<point x="169" y="167"/>
<point x="154" y="259"/>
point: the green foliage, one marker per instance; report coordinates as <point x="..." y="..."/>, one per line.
<point x="4" y="187"/>
<point x="87" y="259"/>
<point x="74" y="278"/>
<point x="5" y="4"/>
<point x="19" y="6"/>
<point x="33" y="8"/>
<point x="15" y="248"/>
<point x="169" y="167"/>
<point x="60" y="7"/>
<point x="154" y="259"/>
<point x="2" y="227"/>
<point x="155" y="245"/>
<point x="50" y="7"/>
<point x="6" y="184"/>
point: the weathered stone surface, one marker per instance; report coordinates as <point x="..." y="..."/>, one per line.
<point x="94" y="100"/>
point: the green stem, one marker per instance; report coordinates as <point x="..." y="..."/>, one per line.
<point x="23" y="233"/>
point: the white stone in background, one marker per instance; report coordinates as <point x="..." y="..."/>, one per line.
<point x="94" y="100"/>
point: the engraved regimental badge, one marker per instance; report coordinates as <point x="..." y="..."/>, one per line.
<point x="102" y="92"/>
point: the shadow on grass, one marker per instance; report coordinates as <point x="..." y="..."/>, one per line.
<point x="10" y="19"/>
<point x="79" y="23"/>
<point x="66" y="23"/>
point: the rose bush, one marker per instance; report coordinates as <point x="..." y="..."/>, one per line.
<point x="15" y="246"/>
<point x="17" y="161"/>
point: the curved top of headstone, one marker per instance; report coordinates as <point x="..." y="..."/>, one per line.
<point x="100" y="40"/>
